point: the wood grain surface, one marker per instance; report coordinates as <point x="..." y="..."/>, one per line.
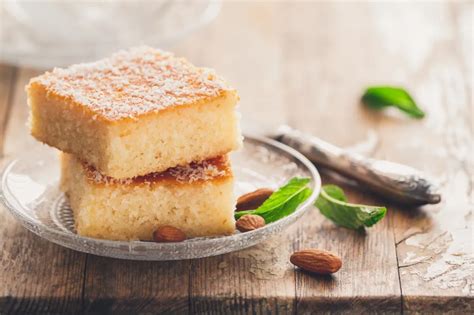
<point x="36" y="275"/>
<point x="305" y="64"/>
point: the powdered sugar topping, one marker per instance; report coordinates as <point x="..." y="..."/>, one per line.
<point x="202" y="171"/>
<point x="133" y="82"/>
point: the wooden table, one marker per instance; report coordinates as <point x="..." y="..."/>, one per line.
<point x="306" y="64"/>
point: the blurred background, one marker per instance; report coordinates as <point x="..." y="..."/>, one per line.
<point x="51" y="33"/>
<point x="304" y="63"/>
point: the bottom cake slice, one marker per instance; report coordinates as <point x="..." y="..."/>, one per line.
<point x="198" y="199"/>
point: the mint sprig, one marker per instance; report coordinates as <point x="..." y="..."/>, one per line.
<point x="333" y="205"/>
<point x="378" y="97"/>
<point x="282" y="202"/>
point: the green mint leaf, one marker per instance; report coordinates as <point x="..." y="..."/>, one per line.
<point x="333" y="205"/>
<point x="282" y="202"/>
<point x="287" y="208"/>
<point x="378" y="97"/>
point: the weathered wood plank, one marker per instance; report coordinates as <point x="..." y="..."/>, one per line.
<point x="436" y="244"/>
<point x="430" y="67"/>
<point x="259" y="280"/>
<point x="7" y="78"/>
<point x="37" y="276"/>
<point x="368" y="279"/>
<point x="115" y="286"/>
<point x="326" y="70"/>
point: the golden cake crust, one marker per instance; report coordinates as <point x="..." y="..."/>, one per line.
<point x="132" y="83"/>
<point x="217" y="168"/>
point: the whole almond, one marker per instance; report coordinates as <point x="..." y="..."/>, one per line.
<point x="249" y="222"/>
<point x="168" y="233"/>
<point x="316" y="260"/>
<point x="253" y="200"/>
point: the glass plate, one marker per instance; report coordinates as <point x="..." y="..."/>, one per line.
<point x="29" y="189"/>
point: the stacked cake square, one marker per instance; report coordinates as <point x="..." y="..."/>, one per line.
<point x="145" y="138"/>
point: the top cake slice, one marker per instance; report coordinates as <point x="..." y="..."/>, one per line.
<point x="137" y="112"/>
